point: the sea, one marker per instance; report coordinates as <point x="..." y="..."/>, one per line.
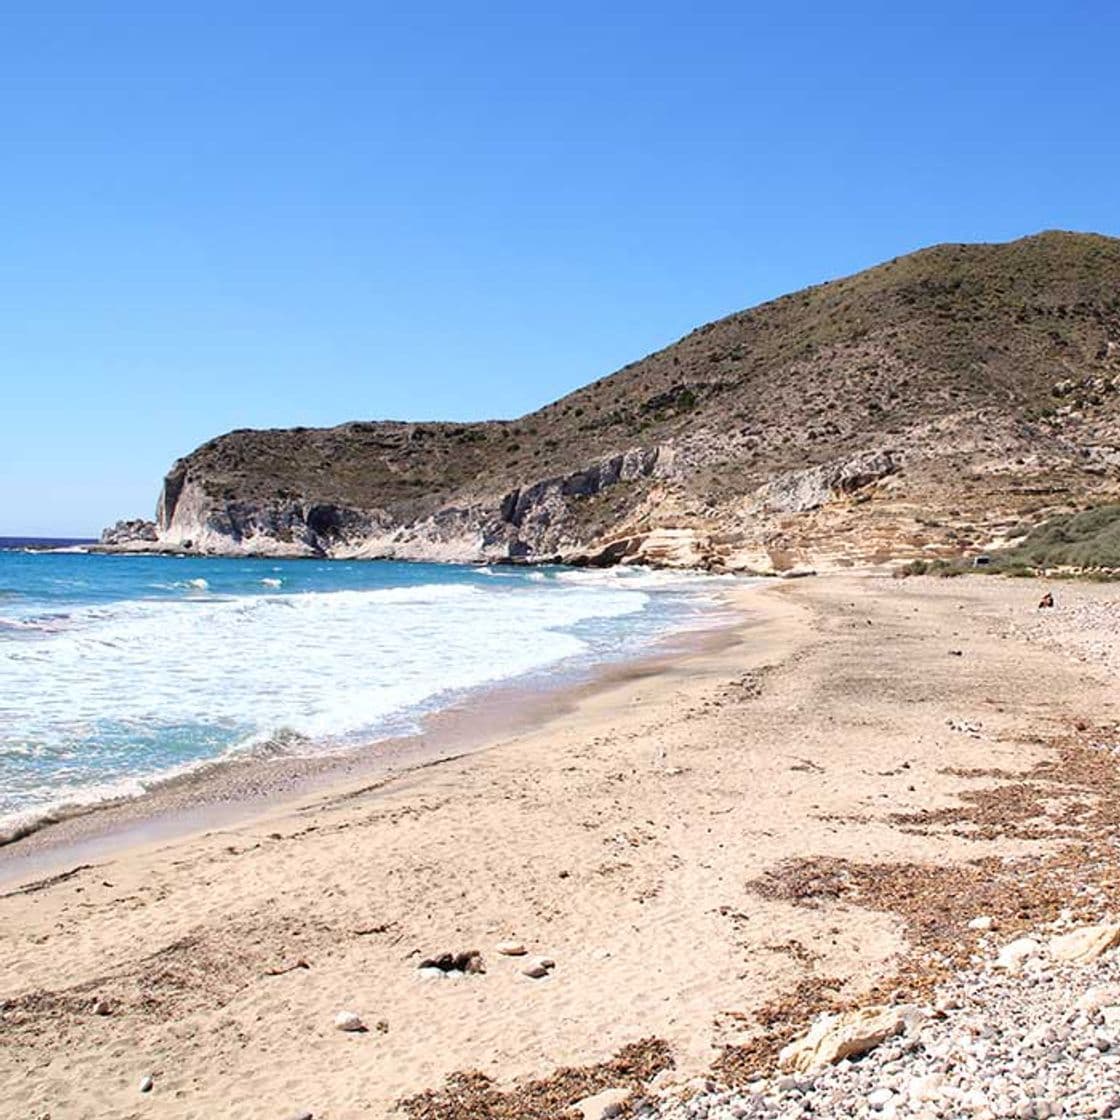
<point x="120" y="672"/>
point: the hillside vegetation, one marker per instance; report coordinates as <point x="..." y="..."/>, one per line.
<point x="1087" y="540"/>
<point x="989" y="372"/>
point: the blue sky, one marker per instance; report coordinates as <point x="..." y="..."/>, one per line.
<point x="246" y="216"/>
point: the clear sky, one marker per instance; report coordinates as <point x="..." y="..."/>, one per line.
<point x="247" y="215"/>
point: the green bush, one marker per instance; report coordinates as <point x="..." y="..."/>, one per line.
<point x="1089" y="539"/>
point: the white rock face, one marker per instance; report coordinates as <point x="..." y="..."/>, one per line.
<point x="983" y="922"/>
<point x="657" y="548"/>
<point x="348" y="1021"/>
<point x="801" y="491"/>
<point x="533" y="520"/>
<point x="673" y="548"/>
<point x="190" y="521"/>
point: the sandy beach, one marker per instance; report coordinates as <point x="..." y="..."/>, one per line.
<point x="637" y="836"/>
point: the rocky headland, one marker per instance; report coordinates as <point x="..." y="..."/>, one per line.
<point x="928" y="407"/>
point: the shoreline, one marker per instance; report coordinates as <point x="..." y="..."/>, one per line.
<point x="226" y="792"/>
<point x="654" y="839"/>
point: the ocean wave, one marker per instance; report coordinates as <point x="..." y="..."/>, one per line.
<point x="47" y="804"/>
<point x="135" y="690"/>
<point x="639" y="578"/>
<point x="321" y="662"/>
<point x="38" y="625"/>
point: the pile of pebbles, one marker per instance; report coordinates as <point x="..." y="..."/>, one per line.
<point x="1041" y="1042"/>
<point x="1087" y="628"/>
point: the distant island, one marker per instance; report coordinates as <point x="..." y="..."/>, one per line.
<point x="939" y="403"/>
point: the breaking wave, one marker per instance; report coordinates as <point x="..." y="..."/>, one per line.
<point x="102" y="698"/>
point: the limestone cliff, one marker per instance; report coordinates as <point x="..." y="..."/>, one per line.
<point x="926" y="406"/>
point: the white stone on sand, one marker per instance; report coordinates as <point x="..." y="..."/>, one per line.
<point x="348" y="1021"/>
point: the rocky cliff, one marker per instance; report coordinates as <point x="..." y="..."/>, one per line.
<point x="930" y="405"/>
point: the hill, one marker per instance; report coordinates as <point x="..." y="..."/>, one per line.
<point x="923" y="407"/>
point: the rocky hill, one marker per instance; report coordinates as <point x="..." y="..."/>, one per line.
<point x="927" y="406"/>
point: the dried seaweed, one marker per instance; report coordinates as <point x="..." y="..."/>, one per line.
<point x="471" y="1095"/>
<point x="1073" y="796"/>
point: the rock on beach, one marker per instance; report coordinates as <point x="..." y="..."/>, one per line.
<point x="1016" y="953"/>
<point x="1086" y="944"/>
<point x="845" y="1035"/>
<point x="538" y="967"/>
<point x="1022" y="1042"/>
<point x="603" y="1105"/>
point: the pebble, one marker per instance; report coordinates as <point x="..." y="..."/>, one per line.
<point x="1015" y="955"/>
<point x="102" y="1007"/>
<point x="603" y="1105"/>
<point x="1029" y="1042"/>
<point x="926" y="1087"/>
<point x="510" y="948"/>
<point x="1101" y="995"/>
<point x="982" y="922"/>
<point x="537" y="967"/>
<point x="146" y="1083"/>
<point x="348" y="1021"/>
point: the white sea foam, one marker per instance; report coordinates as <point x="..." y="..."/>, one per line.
<point x="144" y="687"/>
<point x="19" y="624"/>
<point x="637" y="576"/>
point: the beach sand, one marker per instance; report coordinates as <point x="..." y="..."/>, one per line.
<point x="622" y="838"/>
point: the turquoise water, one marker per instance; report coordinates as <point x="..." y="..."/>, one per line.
<point x="116" y="671"/>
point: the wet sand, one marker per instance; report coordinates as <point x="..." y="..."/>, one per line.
<point x="229" y="792"/>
